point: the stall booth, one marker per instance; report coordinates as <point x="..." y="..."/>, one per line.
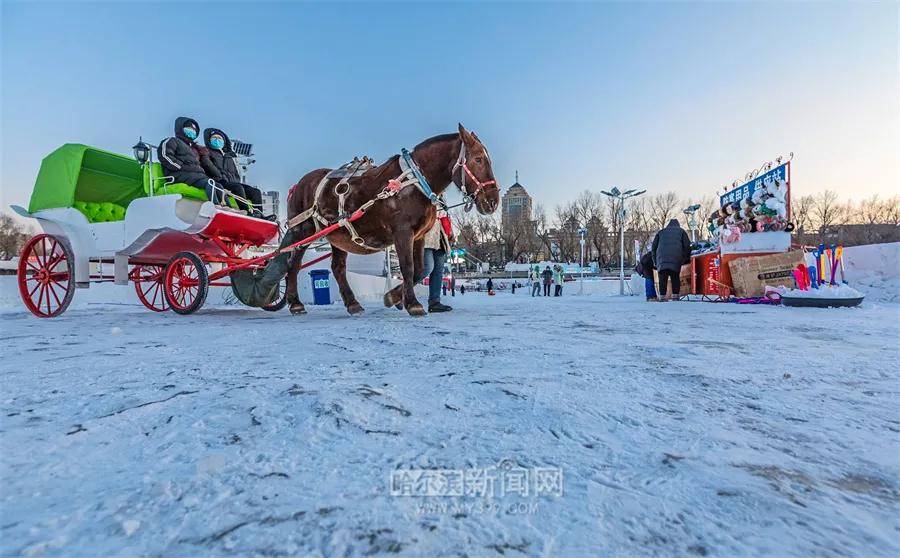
<point x="753" y="220"/>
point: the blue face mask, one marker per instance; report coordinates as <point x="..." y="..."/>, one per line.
<point x="217" y="143"/>
<point x="189" y="132"/>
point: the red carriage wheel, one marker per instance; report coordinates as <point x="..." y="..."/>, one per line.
<point x="46" y="284"/>
<point x="148" y="283"/>
<point x="186" y="282"/>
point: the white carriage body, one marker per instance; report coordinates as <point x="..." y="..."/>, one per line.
<point x="154" y="229"/>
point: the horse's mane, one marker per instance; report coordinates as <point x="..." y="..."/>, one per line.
<point x="435" y="139"/>
<point x="426" y="143"/>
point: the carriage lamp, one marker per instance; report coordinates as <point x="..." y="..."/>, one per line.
<point x="141" y="151"/>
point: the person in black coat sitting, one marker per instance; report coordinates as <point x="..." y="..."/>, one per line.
<point x="180" y="158"/>
<point x="219" y="162"/>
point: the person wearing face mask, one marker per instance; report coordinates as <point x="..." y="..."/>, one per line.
<point x="180" y="158"/>
<point x="220" y="163"/>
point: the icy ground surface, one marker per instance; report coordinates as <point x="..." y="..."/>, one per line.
<point x="680" y="428"/>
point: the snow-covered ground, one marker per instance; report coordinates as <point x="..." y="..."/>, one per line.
<point x="678" y="429"/>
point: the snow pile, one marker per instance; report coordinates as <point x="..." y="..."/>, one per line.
<point x="875" y="270"/>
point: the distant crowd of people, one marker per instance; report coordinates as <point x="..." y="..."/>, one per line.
<point x="546" y="279"/>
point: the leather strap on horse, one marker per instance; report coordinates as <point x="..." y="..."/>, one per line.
<point x="342" y="189"/>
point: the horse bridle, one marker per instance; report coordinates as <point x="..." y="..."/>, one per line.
<point x="461" y="162"/>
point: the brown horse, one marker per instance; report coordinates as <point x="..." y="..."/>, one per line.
<point x="400" y="220"/>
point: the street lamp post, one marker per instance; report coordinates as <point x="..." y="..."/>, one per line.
<point x="621" y="197"/>
<point x="581" y="233"/>
<point x="691" y="213"/>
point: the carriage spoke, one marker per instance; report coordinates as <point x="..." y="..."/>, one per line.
<point x="52" y="259"/>
<point x="55" y="261"/>
<point x="41" y="296"/>
<point x="157" y="290"/>
<point x="53" y="291"/>
<point x="42" y="258"/>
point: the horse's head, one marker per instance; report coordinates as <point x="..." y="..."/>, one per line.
<point x="472" y="173"/>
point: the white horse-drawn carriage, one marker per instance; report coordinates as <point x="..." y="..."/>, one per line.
<point x="107" y="217"/>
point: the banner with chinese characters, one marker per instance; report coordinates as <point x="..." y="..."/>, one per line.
<point x="782" y="172"/>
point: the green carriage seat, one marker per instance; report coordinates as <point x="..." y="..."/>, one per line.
<point x="162" y="187"/>
<point x="100" y="212"/>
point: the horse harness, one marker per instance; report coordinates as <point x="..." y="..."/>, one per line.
<point x="410" y="175"/>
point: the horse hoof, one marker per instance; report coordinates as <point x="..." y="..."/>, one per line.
<point x="415" y="310"/>
<point x="355" y="309"/>
<point x="391" y="299"/>
<point x="298" y="309"/>
<point x="398" y="306"/>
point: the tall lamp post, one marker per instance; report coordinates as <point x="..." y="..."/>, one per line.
<point x="691" y="213"/>
<point x="582" y="232"/>
<point x="621" y="197"/>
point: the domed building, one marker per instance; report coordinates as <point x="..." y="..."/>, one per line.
<point x="516" y="204"/>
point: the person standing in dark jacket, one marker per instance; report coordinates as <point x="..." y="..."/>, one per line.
<point x="671" y="250"/>
<point x="180" y="158"/>
<point x="219" y="162"/>
<point x="547" y="276"/>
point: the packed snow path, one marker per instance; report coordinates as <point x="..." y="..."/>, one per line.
<point x="680" y="429"/>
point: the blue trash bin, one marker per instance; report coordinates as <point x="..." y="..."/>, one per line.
<point x="321" y="286"/>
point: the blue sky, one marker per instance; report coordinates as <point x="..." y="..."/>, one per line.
<point x="682" y="97"/>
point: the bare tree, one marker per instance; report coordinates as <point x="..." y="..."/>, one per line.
<point x="892" y="211"/>
<point x="567" y="225"/>
<point x="13" y="237"/>
<point x="801" y="213"/>
<point x="827" y="212"/>
<point x="662" y="208"/>
<point x="543" y="232"/>
<point x="708" y="204"/>
<point x="516" y="237"/>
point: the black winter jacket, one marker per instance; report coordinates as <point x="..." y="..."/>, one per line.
<point x="671" y="247"/>
<point x="178" y="155"/>
<point x="644" y="267"/>
<point x="220" y="164"/>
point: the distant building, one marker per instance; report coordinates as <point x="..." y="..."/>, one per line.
<point x="271" y="203"/>
<point x="516" y="205"/>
